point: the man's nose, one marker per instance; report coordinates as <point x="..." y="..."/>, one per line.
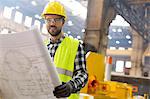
<point x="52" y="22"/>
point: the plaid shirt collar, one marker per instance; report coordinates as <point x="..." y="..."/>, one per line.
<point x="59" y="40"/>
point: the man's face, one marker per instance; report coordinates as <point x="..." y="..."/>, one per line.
<point x="54" y="24"/>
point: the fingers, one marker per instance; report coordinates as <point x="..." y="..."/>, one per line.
<point x="61" y="95"/>
<point x="62" y="91"/>
<point x="61" y="87"/>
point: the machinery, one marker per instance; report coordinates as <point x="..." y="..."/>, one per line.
<point x="96" y="85"/>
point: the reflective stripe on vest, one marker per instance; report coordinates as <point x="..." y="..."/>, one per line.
<point x="63" y="71"/>
<point x="64" y="60"/>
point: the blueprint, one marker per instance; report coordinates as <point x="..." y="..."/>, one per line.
<point x="26" y="69"/>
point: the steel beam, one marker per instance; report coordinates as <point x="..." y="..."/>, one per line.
<point x="132" y="17"/>
<point x="138" y="1"/>
<point x="119" y="52"/>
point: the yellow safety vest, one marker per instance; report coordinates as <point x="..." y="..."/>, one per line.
<point x="64" y="60"/>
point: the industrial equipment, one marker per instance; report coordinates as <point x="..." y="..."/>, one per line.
<point x="96" y="85"/>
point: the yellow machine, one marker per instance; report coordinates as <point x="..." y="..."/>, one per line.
<point x="96" y="85"/>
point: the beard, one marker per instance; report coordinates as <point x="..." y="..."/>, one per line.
<point x="54" y="31"/>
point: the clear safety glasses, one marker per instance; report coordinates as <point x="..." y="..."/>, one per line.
<point x="56" y="20"/>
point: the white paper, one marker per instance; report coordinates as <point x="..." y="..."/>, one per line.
<point x="26" y="69"/>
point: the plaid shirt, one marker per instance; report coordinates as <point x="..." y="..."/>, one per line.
<point x="80" y="76"/>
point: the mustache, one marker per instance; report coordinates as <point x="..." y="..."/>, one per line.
<point x="53" y="26"/>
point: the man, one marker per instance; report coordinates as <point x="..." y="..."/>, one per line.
<point x="68" y="54"/>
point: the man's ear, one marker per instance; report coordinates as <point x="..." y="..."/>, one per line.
<point x="63" y="21"/>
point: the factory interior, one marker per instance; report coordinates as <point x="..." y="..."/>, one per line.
<point x="116" y="34"/>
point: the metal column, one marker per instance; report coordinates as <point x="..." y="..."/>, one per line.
<point x="97" y="25"/>
<point x="136" y="55"/>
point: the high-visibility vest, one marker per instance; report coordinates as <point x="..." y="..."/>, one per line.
<point x="64" y="60"/>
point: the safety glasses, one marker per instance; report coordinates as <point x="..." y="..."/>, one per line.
<point x="55" y="20"/>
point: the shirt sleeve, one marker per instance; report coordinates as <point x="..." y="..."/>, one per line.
<point x="80" y="75"/>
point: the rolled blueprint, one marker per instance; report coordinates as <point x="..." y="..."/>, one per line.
<point x="26" y="69"/>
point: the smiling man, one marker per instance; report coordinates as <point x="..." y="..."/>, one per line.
<point x="67" y="53"/>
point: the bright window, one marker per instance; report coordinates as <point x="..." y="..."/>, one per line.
<point x="114" y="30"/>
<point x="34" y="3"/>
<point x="119" y="30"/>
<point x="109" y="37"/>
<point x="78" y="37"/>
<point x="117" y="42"/>
<point x="28" y="21"/>
<point x="83" y="30"/>
<point x="69" y="32"/>
<point x="119" y="66"/>
<point x="44" y="30"/>
<point x="128" y="64"/>
<point x="70" y="23"/>
<point x="112" y="48"/>
<point x="37" y="23"/>
<point x="128" y="37"/>
<point x="129" y="42"/>
<point x="7" y="12"/>
<point x="18" y="17"/>
<point x="121" y="48"/>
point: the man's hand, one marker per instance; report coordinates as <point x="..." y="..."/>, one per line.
<point x="63" y="90"/>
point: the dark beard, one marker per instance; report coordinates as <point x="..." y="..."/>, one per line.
<point x="56" y="34"/>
